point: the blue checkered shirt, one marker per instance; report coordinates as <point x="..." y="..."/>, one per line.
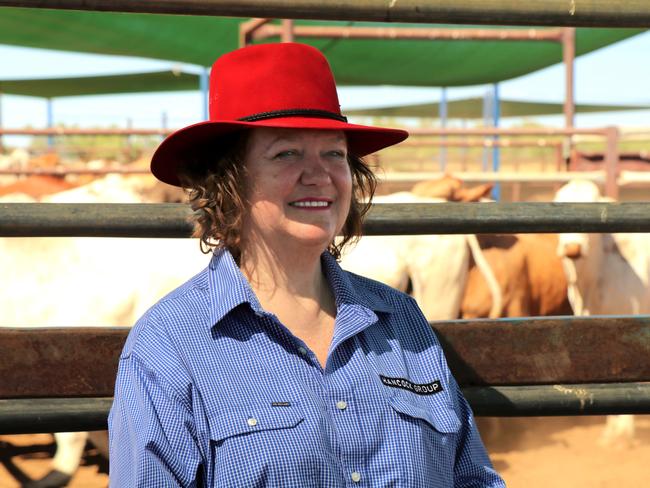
<point x="214" y="391"/>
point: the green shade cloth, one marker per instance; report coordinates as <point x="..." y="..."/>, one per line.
<point x="102" y="85"/>
<point x="472" y="108"/>
<point x="200" y="40"/>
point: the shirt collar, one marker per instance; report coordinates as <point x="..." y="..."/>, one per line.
<point x="349" y="288"/>
<point x="229" y="288"/>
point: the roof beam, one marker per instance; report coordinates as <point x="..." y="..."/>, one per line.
<point x="577" y="13"/>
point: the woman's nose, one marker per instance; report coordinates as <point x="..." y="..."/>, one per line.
<point x="315" y="172"/>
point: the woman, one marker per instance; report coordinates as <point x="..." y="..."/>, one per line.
<point x="274" y="367"/>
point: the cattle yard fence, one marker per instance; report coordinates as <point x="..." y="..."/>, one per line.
<point x="58" y="379"/>
<point x="551" y="366"/>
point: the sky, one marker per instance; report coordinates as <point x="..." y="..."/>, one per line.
<point x="617" y="74"/>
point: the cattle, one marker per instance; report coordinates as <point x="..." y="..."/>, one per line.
<point x="36" y="187"/>
<point x="433" y="267"/>
<point x="16" y="160"/>
<point x="607" y="274"/>
<point x="529" y="273"/>
<point x="73" y="282"/>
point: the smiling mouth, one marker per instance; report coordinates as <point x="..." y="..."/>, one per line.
<point x="311" y="204"/>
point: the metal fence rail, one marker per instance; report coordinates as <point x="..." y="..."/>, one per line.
<point x="631" y="13"/>
<point x="35" y="415"/>
<point x="170" y="220"/>
<point x="61" y="379"/>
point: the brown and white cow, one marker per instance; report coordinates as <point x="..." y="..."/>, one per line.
<point x="529" y="273"/>
<point x="607" y="274"/>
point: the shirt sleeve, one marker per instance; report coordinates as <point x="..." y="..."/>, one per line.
<point x="151" y="431"/>
<point x="473" y="467"/>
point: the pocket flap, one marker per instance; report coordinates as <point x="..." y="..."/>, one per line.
<point x="247" y="420"/>
<point x="438" y="414"/>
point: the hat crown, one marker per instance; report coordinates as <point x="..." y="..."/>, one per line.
<point x="270" y="78"/>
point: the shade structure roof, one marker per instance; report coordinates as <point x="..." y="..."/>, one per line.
<point x="200" y="40"/>
<point x="102" y="85"/>
<point x="472" y="108"/>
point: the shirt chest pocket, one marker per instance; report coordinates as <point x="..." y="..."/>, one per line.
<point x="253" y="421"/>
<point x="260" y="444"/>
<point x="436" y="413"/>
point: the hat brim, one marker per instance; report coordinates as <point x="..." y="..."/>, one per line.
<point x="177" y="147"/>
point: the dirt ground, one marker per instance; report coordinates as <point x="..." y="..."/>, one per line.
<point x="556" y="452"/>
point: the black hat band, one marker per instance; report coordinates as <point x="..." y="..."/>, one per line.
<point x="295" y="112"/>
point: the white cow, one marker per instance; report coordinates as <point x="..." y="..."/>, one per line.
<point x="435" y="265"/>
<point x="89" y="282"/>
<point x="607" y="274"/>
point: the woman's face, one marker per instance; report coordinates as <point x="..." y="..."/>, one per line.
<point x="299" y="186"/>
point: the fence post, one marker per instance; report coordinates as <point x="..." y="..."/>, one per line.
<point x="611" y="162"/>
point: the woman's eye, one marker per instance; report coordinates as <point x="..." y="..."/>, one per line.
<point x="337" y="154"/>
<point x="289" y="153"/>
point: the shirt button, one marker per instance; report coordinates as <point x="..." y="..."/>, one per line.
<point x="341" y="405"/>
<point x="302" y="350"/>
<point x="356" y="477"/>
<point x="252" y="422"/>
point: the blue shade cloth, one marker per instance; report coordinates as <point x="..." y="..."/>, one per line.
<point x="214" y="391"/>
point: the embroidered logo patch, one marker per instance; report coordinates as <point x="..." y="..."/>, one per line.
<point x="404" y="384"/>
<point x="280" y="404"/>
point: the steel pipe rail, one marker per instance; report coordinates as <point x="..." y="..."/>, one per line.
<point x="75" y="171"/>
<point x="82" y="361"/>
<point x="413" y="33"/>
<point x="171" y="220"/>
<point x="37" y="415"/>
<point x="578" y="13"/>
<point x="71" y="131"/>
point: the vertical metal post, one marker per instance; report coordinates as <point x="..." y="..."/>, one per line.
<point x="611" y="163"/>
<point x="129" y="139"/>
<point x="1" y="145"/>
<point x="496" y="163"/>
<point x="442" y="114"/>
<point x="568" y="56"/>
<point x="287" y="30"/>
<point x="486" y="122"/>
<point x="203" y="85"/>
<point x="50" y="122"/>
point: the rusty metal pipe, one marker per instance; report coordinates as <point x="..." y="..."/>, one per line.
<point x="36" y="415"/>
<point x="411" y="33"/>
<point x="632" y="13"/>
<point x="496" y="131"/>
<point x="170" y="220"/>
<point x="84" y="132"/>
<point x="74" y="171"/>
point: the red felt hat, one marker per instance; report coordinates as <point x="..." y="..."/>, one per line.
<point x="285" y="85"/>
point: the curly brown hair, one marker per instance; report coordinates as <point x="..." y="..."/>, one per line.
<point x="214" y="178"/>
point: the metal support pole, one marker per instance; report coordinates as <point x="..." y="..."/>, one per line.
<point x="287" y="30"/>
<point x="203" y="85"/>
<point x="568" y="57"/>
<point x="611" y="163"/>
<point x="487" y="98"/>
<point x="50" y="122"/>
<point x="129" y="139"/>
<point x="1" y="144"/>
<point x="496" y="113"/>
<point x="442" y="114"/>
